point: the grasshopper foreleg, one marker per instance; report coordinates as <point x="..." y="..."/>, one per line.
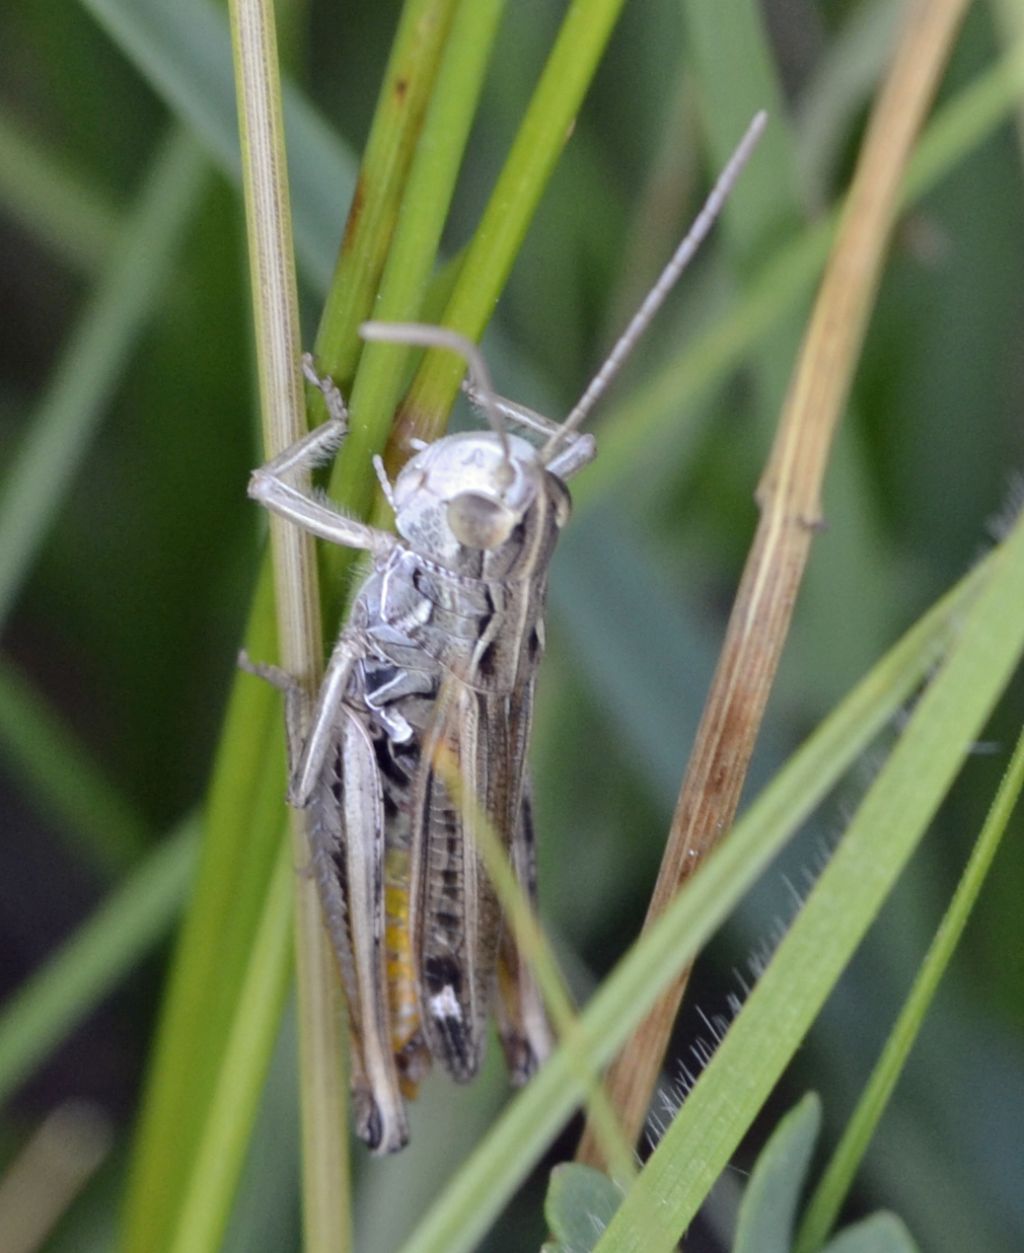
<point x="269" y="487"/>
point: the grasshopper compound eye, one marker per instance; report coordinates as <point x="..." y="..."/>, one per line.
<point x="479" y="522"/>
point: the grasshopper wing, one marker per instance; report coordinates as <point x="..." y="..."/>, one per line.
<point x="471" y="774"/>
<point x="523" y="1026"/>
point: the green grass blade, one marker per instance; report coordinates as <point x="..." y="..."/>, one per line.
<point x="885" y="831"/>
<point x="488" y="1179"/>
<point x="736" y="76"/>
<point x="184" y="52"/>
<point x="63" y="779"/>
<point x="823" y="1208"/>
<point x="137" y="915"/>
<point x="553" y="107"/>
<point x="406" y="88"/>
<point x="242" y="828"/>
<point x="841" y="87"/>
<point x="414" y="247"/>
<point x="217" y="1161"/>
<point x="92" y="361"/>
<point x="51" y="203"/>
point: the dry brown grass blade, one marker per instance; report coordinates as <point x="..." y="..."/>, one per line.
<point x="789" y="496"/>
<point x="41" y="1183"/>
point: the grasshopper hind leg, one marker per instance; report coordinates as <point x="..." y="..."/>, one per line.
<point x="347" y="839"/>
<point x="335" y="780"/>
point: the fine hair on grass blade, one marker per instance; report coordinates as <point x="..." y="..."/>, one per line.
<point x="824" y="1204"/>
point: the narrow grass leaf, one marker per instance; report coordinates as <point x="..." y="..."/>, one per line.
<point x="218" y="1159"/>
<point x="886" y="829"/>
<point x="413" y="253"/>
<point x="828" y="1197"/>
<point x="53" y="204"/>
<point x="322" y="1074"/>
<point x="137" y="914"/>
<point x="395" y="135"/>
<point x="496" y="241"/>
<point x="59" y="774"/>
<point x="183" y="49"/>
<point x="93" y="359"/>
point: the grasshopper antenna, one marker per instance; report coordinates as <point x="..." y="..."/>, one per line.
<point x="655" y="298"/>
<point x="424" y="336"/>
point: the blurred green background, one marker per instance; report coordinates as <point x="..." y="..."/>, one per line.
<point x="128" y="549"/>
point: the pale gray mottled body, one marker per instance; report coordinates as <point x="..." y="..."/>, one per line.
<point x="449" y="638"/>
<point x="437" y="666"/>
<point x="434" y="670"/>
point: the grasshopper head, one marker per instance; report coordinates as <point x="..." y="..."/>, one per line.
<point x="464" y="492"/>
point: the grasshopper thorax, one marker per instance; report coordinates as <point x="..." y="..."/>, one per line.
<point x="466" y="492"/>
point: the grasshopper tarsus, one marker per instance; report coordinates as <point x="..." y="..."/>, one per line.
<point x="337" y="410"/>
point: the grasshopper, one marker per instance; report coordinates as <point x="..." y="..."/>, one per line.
<point x="438" y="659"/>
